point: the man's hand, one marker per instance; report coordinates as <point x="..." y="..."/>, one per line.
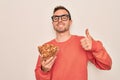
<point x="46" y="65"/>
<point x="87" y="41"/>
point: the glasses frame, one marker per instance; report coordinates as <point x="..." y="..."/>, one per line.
<point x="60" y="16"/>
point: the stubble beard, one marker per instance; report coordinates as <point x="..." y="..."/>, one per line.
<point x="62" y="29"/>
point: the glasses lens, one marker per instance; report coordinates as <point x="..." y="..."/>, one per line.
<point x="55" y="18"/>
<point x="64" y="17"/>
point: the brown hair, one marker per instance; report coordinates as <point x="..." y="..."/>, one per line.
<point x="62" y="7"/>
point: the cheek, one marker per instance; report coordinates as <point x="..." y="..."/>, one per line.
<point x="68" y="24"/>
<point x="54" y="23"/>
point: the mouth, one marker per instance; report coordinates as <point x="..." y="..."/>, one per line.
<point x="60" y="24"/>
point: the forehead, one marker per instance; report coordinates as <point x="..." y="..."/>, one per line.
<point x="60" y="12"/>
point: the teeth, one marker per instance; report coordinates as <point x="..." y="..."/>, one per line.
<point x="60" y="24"/>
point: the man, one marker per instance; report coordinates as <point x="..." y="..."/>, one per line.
<point x="70" y="62"/>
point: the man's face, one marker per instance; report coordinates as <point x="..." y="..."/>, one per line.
<point x="61" y="22"/>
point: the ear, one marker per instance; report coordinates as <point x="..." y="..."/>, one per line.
<point x="70" y="22"/>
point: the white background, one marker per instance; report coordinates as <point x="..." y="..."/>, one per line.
<point x="25" y="24"/>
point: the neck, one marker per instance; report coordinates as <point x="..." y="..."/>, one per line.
<point x="61" y="37"/>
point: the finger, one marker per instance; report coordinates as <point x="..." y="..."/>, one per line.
<point x="51" y="63"/>
<point x="87" y="34"/>
<point x="50" y="60"/>
<point x="84" y="41"/>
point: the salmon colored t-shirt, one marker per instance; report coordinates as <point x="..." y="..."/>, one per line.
<point x="72" y="60"/>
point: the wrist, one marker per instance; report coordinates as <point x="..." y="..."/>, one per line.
<point x="96" y="46"/>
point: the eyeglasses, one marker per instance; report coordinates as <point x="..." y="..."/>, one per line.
<point x="56" y="18"/>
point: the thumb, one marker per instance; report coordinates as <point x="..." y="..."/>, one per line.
<point x="87" y="34"/>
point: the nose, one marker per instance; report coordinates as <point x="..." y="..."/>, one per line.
<point x="60" y="19"/>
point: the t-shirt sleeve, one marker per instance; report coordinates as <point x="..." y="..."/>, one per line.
<point x="39" y="74"/>
<point x="99" y="56"/>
